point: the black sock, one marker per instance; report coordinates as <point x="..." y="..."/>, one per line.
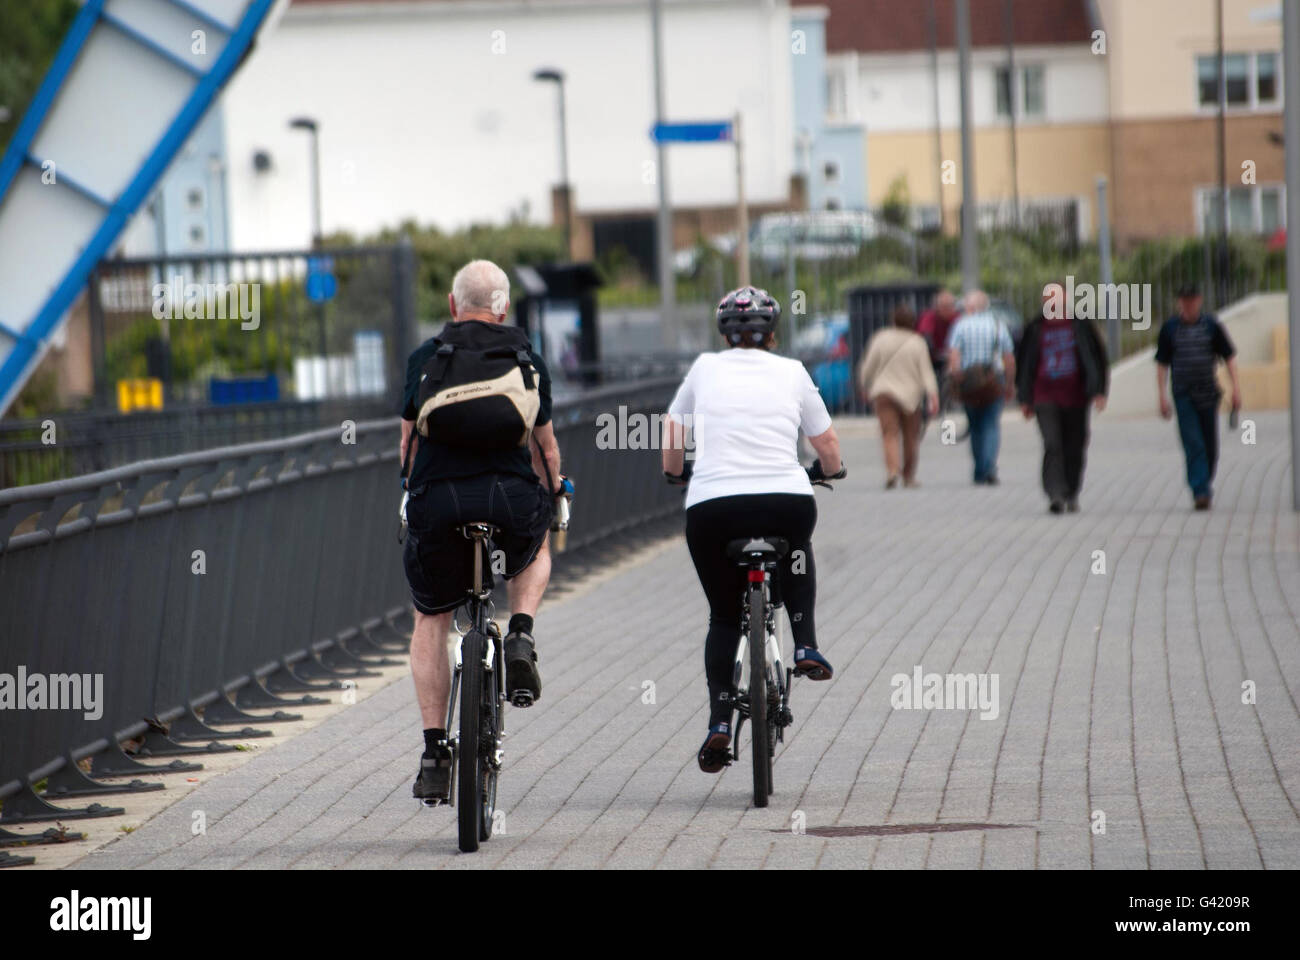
<point x="521" y="622"/>
<point x="432" y="737"/>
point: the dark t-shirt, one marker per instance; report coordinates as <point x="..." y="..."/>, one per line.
<point x="1059" y="380"/>
<point x="1191" y="351"/>
<point x="437" y="461"/>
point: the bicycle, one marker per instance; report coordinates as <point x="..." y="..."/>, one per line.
<point x="760" y="685"/>
<point x="478" y="676"/>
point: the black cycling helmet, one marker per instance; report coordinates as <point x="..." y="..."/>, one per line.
<point x="747" y="313"/>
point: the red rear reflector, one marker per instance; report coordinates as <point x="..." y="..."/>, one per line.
<point x="757" y="576"/>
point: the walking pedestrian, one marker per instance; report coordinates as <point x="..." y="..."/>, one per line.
<point x="1187" y="353"/>
<point x="1061" y="373"/>
<point x="898" y="379"/>
<point x="982" y="364"/>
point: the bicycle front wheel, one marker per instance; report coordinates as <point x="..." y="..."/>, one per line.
<point x="761" y="735"/>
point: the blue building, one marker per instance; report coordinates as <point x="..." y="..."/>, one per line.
<point x="831" y="157"/>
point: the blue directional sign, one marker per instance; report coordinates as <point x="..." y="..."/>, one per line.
<point x="709" y="132"/>
<point x="322" y="285"/>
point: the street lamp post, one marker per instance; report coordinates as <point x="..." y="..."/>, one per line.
<point x="308" y="124"/>
<point x="550" y="75"/>
<point x="1291" y="97"/>
<point x="970" y="271"/>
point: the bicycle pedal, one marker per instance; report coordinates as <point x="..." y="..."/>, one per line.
<point x="521" y="699"/>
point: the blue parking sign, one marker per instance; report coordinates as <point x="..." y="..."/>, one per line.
<point x="322" y="285"/>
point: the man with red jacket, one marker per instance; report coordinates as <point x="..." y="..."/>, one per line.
<point x="1061" y="369"/>
<point x="935" y="324"/>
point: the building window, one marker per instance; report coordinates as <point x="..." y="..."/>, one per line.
<point x="196" y="236"/>
<point x="1035" y="96"/>
<point x="1031" y="91"/>
<point x="1271" y="210"/>
<point x="1266" y="78"/>
<point x="1252" y="210"/>
<point x="1250" y="79"/>
<point x="837" y="95"/>
<point x="194" y="197"/>
<point x="831" y="171"/>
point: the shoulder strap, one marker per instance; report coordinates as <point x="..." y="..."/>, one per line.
<point x="440" y="360"/>
<point x="541" y="455"/>
<point x="897" y="350"/>
<point x="406" y="460"/>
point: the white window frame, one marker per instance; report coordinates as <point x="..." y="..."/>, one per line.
<point x="1253" y="104"/>
<point x="1201" y="195"/>
<point x="1021" y="87"/>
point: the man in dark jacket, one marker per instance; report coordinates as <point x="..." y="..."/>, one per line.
<point x="1061" y="369"/>
<point x="1190" y="346"/>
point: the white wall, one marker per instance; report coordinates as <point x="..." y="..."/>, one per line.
<point x="421" y="120"/>
<point x="894" y="91"/>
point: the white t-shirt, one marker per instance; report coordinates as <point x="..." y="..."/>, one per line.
<point x="746" y="407"/>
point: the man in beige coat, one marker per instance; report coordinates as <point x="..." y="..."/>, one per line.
<point x="897" y="377"/>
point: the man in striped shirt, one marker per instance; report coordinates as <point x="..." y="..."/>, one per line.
<point x="980" y="339"/>
<point x="1190" y="346"/>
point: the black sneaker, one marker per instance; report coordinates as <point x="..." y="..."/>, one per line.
<point x="1072" y="505"/>
<point x="433" y="782"/>
<point x="523" y="682"/>
<point x="1057" y="506"/>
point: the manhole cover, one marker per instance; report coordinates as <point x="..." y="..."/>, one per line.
<point x="890" y="829"/>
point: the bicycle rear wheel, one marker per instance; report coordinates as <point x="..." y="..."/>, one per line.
<point x="475" y="770"/>
<point x="761" y="737"/>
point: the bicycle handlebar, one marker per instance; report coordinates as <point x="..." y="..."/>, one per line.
<point x="815" y="475"/>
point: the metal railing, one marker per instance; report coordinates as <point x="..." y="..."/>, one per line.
<point x="197" y="585"/>
<point x="66" y="445"/>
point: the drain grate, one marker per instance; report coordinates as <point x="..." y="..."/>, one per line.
<point x="892" y="829"/>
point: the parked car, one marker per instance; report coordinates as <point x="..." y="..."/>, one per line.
<point x="819" y="236"/>
<point x="823" y="347"/>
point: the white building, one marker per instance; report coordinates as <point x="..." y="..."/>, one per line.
<point x="428" y="110"/>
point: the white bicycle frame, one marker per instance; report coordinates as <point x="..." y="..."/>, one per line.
<point x="774" y="634"/>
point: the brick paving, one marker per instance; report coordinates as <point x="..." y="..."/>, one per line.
<point x="1120" y="695"/>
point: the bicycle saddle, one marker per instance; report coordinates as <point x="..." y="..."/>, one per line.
<point x="473" y="531"/>
<point x="758" y="549"/>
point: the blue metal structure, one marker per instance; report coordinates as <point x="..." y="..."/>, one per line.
<point x="128" y="86"/>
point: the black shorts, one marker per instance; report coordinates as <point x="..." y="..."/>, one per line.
<point x="439" y="560"/>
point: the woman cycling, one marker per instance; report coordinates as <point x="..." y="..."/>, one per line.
<point x="745" y="406"/>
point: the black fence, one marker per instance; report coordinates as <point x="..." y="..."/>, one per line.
<point x="245" y="577"/>
<point x="71" y="444"/>
<point x="312" y="324"/>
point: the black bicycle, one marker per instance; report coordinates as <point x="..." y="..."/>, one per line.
<point x="479" y="678"/>
<point x="760" y="682"/>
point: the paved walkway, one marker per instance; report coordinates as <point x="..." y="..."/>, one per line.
<point x="1120" y="694"/>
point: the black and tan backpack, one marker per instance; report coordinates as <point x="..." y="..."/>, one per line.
<point x="479" y="388"/>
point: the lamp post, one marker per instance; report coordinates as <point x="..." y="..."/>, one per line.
<point x="551" y="75"/>
<point x="308" y="124"/>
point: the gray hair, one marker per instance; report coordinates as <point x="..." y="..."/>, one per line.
<point x="976" y="301"/>
<point x="481" y="285"/>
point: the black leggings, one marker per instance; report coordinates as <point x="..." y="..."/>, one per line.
<point x="710" y="526"/>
